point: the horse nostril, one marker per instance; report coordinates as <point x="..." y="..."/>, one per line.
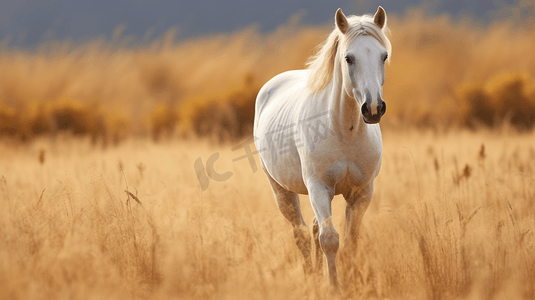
<point x="364" y="109"/>
<point x="383" y="108"/>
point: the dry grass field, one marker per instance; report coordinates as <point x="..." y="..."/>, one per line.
<point x="100" y="199"/>
<point x="452" y="218"/>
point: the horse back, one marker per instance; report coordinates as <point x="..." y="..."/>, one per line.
<point x="279" y="90"/>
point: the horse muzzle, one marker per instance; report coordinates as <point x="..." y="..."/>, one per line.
<point x="367" y="114"/>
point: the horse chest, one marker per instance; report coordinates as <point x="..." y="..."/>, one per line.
<point x="342" y="164"/>
<point x="363" y="166"/>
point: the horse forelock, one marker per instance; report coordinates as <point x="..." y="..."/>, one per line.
<point x="321" y="65"/>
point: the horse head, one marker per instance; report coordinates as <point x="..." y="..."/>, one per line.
<point x="363" y="52"/>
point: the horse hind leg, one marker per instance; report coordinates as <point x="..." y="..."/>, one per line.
<point x="288" y="203"/>
<point x="317" y="248"/>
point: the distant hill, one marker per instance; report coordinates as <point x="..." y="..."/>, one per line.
<point x="30" y="22"/>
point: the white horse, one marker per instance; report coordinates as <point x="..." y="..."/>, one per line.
<point x="342" y="86"/>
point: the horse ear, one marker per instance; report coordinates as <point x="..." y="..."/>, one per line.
<point x="380" y="17"/>
<point x="341" y="21"/>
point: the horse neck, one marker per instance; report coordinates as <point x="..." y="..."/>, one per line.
<point x="346" y="117"/>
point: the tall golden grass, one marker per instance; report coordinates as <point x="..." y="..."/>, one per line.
<point x="446" y="222"/>
<point x="452" y="215"/>
<point x="444" y="73"/>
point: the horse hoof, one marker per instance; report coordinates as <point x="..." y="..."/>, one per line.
<point x="335" y="291"/>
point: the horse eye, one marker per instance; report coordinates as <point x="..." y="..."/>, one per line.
<point x="349" y="60"/>
<point x="385" y="57"/>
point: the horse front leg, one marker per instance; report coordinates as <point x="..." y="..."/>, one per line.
<point x="358" y="201"/>
<point x="320" y="198"/>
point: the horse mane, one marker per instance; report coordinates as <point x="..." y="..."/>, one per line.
<point x="321" y="64"/>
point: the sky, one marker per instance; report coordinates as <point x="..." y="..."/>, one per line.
<point x="31" y="22"/>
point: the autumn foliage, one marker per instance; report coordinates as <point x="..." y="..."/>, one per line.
<point x="444" y="74"/>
